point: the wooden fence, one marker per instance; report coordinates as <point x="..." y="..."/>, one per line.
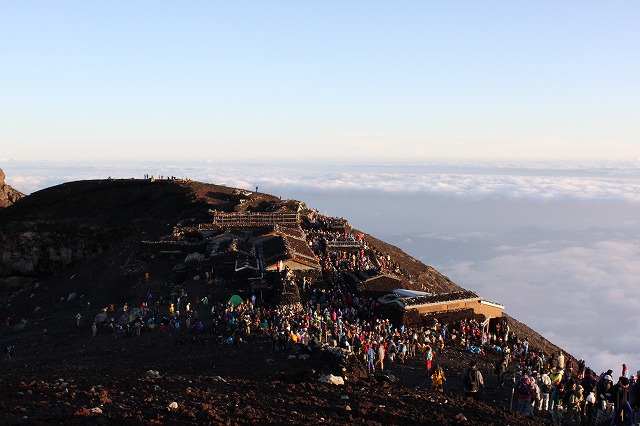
<point x="255" y="219"/>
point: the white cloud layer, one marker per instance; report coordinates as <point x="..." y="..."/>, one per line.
<point x="580" y="181"/>
<point x="581" y="295"/>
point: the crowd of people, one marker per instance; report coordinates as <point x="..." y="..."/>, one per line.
<point x="321" y="236"/>
<point x="576" y="397"/>
<point x="337" y="315"/>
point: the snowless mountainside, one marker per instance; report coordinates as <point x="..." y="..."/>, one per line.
<point x="76" y="248"/>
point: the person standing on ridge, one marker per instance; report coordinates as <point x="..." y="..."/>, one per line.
<point x="371" y="356"/>
<point x="437" y="379"/>
<point x="381" y="354"/>
<point x="501" y="372"/>
<point x="472" y="381"/>
<point x="545" y="386"/>
<point x="524" y="391"/>
<point x="428" y="358"/>
<point x="623" y="414"/>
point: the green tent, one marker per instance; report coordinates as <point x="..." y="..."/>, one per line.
<point x="236" y="300"/>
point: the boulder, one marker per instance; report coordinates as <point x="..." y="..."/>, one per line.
<point x="331" y="379"/>
<point x="8" y="195"/>
<point x="152" y="374"/>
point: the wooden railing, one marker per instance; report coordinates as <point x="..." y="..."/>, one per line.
<point x="344" y="244"/>
<point x="255" y="219"/>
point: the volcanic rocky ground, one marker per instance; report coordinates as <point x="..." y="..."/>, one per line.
<point x="69" y="377"/>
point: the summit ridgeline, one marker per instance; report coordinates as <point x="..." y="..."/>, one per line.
<point x="121" y="296"/>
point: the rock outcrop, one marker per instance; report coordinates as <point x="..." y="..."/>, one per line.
<point x="31" y="254"/>
<point x="8" y="195"/>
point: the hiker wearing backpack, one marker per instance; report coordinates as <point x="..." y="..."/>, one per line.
<point x="537" y="363"/>
<point x="572" y="402"/>
<point x="604" y="399"/>
<point x="589" y="385"/>
<point x="472" y="381"/>
<point x="501" y="372"/>
<point x="428" y="358"/>
<point x="544" y="384"/>
<point x="535" y="394"/>
<point x="524" y="391"/>
<point x="556" y="376"/>
<point x="557" y="395"/>
<point x="437" y="379"/>
<point x="370" y="356"/>
<point x="623" y="414"/>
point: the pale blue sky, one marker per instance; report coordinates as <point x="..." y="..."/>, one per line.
<point x="325" y="80"/>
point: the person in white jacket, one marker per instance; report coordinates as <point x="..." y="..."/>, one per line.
<point x="544" y="385"/>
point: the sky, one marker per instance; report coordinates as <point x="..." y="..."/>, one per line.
<point x="496" y="141"/>
<point x="329" y="81"/>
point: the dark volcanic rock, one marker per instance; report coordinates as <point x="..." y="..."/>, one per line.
<point x="8" y="195"/>
<point x="76" y="249"/>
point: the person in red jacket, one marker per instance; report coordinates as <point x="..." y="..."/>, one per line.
<point x="524" y="391"/>
<point x="428" y="358"/>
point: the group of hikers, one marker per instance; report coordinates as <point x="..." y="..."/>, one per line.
<point x="336" y="314"/>
<point x="320" y="236"/>
<point x="570" y="394"/>
<point x="579" y="397"/>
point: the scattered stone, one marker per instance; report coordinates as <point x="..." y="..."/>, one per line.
<point x="152" y="374"/>
<point x="104" y="397"/>
<point x="331" y="379"/>
<point x="173" y="406"/>
<point x="339" y="352"/>
<point x="389" y="378"/>
<point x="82" y="412"/>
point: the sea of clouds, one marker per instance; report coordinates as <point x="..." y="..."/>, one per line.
<point x="557" y="244"/>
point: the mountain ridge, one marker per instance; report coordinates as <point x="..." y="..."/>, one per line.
<point x="84" y="237"/>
